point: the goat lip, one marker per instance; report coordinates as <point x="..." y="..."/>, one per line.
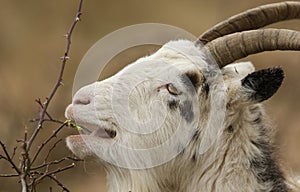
<point x="100" y="132"/>
<point x="85" y="131"/>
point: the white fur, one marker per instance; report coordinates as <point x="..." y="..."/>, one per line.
<point x="131" y="98"/>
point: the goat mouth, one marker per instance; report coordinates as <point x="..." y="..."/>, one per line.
<point x="99" y="132"/>
<point x="104" y="133"/>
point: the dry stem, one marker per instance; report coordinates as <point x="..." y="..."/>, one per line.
<point x="27" y="168"/>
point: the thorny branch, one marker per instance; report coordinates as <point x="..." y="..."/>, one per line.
<point x="45" y="174"/>
<point x="52" y="136"/>
<point x="64" y="59"/>
<point x="9" y="175"/>
<point x="58" y="183"/>
<point x="8" y="158"/>
<point x="51" y="149"/>
<point x="29" y="167"/>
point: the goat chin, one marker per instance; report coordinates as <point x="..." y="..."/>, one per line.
<point x="76" y="144"/>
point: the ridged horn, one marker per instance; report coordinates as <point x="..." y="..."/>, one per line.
<point x="253" y="19"/>
<point x="230" y="48"/>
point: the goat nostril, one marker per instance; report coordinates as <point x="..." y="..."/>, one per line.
<point x="82" y="101"/>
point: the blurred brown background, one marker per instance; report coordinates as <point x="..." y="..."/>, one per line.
<point x="31" y="43"/>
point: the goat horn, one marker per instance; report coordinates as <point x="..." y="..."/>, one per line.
<point x="253" y="19"/>
<point x="235" y="46"/>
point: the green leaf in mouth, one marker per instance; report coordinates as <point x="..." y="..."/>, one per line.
<point x="70" y="123"/>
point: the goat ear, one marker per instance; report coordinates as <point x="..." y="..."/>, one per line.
<point x="263" y="84"/>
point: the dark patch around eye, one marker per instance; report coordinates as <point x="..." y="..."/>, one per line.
<point x="194" y="78"/>
<point x="191" y="80"/>
<point x="173" y="104"/>
<point x="186" y="111"/>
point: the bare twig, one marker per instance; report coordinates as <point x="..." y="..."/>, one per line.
<point x="39" y="102"/>
<point x="9" y="175"/>
<point x="2" y="157"/>
<point x="25" y="163"/>
<point x="58" y="183"/>
<point x="52" y="136"/>
<point x="47" y="173"/>
<point x="24" y="183"/>
<point x="51" y="149"/>
<point x="14" y="153"/>
<point x="30" y="176"/>
<point x="8" y="158"/>
<point x="48" y="120"/>
<point x="59" y="79"/>
<point x="55" y="162"/>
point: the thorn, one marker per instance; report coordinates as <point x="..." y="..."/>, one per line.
<point x="66" y="35"/>
<point x="64" y="58"/>
<point x="61" y="83"/>
<point x="77" y="19"/>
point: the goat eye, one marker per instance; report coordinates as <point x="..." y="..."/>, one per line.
<point x="172" y="89"/>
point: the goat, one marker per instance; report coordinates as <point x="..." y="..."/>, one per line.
<point x="208" y="118"/>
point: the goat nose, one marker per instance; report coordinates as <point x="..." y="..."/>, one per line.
<point x="84" y="96"/>
<point x="82" y="101"/>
